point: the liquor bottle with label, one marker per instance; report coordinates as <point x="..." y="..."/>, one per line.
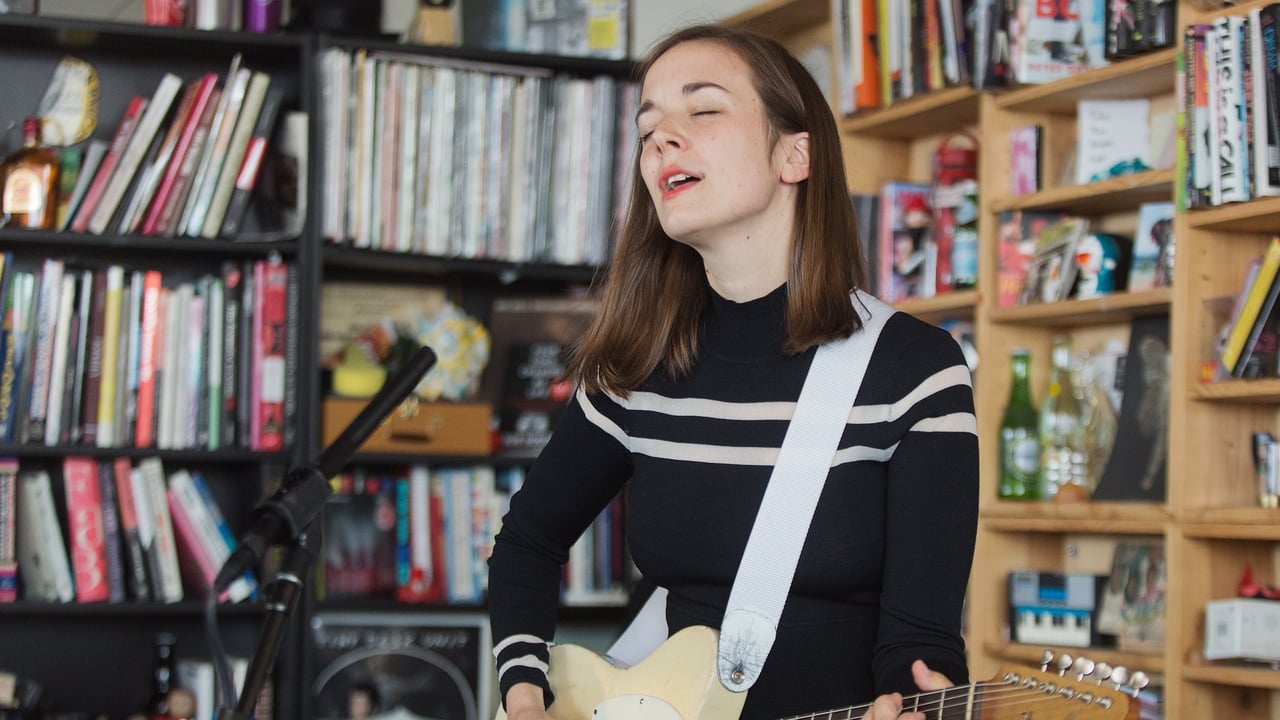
<point x="1063" y="455"/>
<point x="1019" y="435"/>
<point x="29" y="183"/>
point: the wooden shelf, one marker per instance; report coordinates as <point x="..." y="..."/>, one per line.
<point x="955" y="304"/>
<point x="1141" y="76"/>
<point x="777" y="18"/>
<point x="1031" y="654"/>
<point x="917" y="116"/>
<point x="1092" y="311"/>
<point x="1253" y="677"/>
<point x="1259" y="215"/>
<point x="1115" y="518"/>
<point x="1125" y="192"/>
<point x="1265" y="391"/>
<point x="1253" y="523"/>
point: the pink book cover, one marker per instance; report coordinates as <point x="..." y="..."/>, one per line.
<point x="1024" y="160"/>
<point x="88" y="548"/>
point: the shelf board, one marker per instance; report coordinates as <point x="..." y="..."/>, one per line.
<point x="780" y="18"/>
<point x="187" y="608"/>
<point x="1263" y="678"/>
<point x="44" y="241"/>
<point x="412" y="266"/>
<point x="424" y="459"/>
<point x="1265" y="390"/>
<point x="1254" y="523"/>
<point x="1119" y="518"/>
<point x="1125" y="192"/>
<point x="1140" y="76"/>
<point x="1091" y="311"/>
<point x="230" y="455"/>
<point x="917" y="116"/>
<point x="1149" y="663"/>
<point x="1254" y="216"/>
<point x="960" y="303"/>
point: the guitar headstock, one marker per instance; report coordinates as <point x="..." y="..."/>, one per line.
<point x="1064" y="687"/>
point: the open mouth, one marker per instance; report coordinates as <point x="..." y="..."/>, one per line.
<point x="678" y="180"/>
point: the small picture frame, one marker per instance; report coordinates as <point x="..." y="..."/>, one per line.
<point x="401" y="664"/>
<point x="1051" y="274"/>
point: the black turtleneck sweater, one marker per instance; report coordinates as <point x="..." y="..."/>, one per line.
<point x="882" y="576"/>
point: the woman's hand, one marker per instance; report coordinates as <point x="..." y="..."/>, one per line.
<point x="525" y="702"/>
<point x="888" y="707"/>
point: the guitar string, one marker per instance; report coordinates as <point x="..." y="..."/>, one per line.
<point x="987" y="695"/>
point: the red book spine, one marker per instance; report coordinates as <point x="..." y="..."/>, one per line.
<point x="109" y="161"/>
<point x="88" y="547"/>
<point x="148" y="348"/>
<point x="269" y="408"/>
<point x="200" y="102"/>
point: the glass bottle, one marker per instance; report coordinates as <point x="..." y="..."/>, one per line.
<point x="29" y="183"/>
<point x="1063" y="451"/>
<point x="1019" y="438"/>
<point x="162" y="678"/>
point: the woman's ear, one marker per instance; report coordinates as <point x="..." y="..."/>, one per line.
<point x="795" y="159"/>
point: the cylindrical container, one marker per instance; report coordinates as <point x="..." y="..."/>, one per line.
<point x="262" y="15"/>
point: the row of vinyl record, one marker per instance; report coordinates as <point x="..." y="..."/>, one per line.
<point x="448" y="158"/>
<point x="888" y="51"/>
<point x="184" y="161"/>
<point x="1232" y="115"/>
<point x="108" y="530"/>
<point x="424" y="535"/>
<point x="114" y="357"/>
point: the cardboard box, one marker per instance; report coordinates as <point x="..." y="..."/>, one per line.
<point x="1242" y="629"/>
<point x="417" y="427"/>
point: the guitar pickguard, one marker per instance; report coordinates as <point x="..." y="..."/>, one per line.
<point x="635" y="707"/>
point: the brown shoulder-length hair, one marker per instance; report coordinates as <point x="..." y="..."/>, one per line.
<point x="656" y="288"/>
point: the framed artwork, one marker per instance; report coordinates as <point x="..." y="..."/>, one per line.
<point x="1051" y="274"/>
<point x="402" y="666"/>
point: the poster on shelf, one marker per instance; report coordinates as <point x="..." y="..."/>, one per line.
<point x="403" y="665"/>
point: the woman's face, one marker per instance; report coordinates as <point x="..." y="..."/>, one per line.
<point x="705" y="153"/>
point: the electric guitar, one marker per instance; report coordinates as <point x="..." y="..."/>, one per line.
<point x="678" y="681"/>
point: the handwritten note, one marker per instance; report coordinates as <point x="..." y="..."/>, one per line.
<point x="1112" y="134"/>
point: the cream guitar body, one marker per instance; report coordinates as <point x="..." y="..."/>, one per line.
<point x="678" y="681"/>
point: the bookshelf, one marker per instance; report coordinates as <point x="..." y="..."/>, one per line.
<point x="1210" y="522"/>
<point x="114" y="639"/>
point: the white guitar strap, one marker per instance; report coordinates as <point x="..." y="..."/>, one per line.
<point x="769" y="562"/>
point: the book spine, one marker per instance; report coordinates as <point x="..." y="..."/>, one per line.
<point x="247" y="177"/>
<point x="201" y="97"/>
<point x="272" y="322"/>
<point x="8" y="530"/>
<point x="107" y="389"/>
<point x="93" y="369"/>
<point x="58" y="364"/>
<point x="46" y="320"/>
<point x="42" y="552"/>
<point x="148" y="125"/>
<point x="164" y="548"/>
<point x="254" y="97"/>
<point x="111" y="534"/>
<point x="84" y="522"/>
<point x="107" y="168"/>
<point x="135" y="557"/>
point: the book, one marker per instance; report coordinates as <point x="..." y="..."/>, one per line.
<point x="246" y="178"/>
<point x="1112" y="138"/>
<point x="1256" y="307"/>
<point x="1051" y="273"/>
<point x="137" y="573"/>
<point x="87" y="535"/>
<point x="1153" y="247"/>
<point x="43" y="564"/>
<point x="1024" y="159"/>
<point x="203" y="94"/>
<point x="1132" y="603"/>
<point x="903" y="242"/>
<point x="157" y="109"/>
<point x="242" y="132"/>
<point x="8" y="529"/>
<point x="1135" y="470"/>
<point x="106" y="168"/>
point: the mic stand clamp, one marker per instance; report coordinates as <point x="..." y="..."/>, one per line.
<point x="281" y="600"/>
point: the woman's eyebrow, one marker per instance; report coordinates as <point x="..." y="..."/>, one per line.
<point x="688" y="89"/>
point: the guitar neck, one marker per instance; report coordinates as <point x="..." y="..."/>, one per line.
<point x="962" y="702"/>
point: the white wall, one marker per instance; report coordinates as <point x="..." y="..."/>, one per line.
<point x="651" y="19"/>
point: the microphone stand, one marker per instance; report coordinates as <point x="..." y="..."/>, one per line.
<point x="285" y="518"/>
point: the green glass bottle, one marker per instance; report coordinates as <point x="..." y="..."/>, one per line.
<point x="1019" y="435"/>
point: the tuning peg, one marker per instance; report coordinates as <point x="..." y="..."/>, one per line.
<point x="1046" y="660"/>
<point x="1119" y="677"/>
<point x="1083" y="667"/>
<point x="1102" y="672"/>
<point x="1138" y="681"/>
<point x="1064" y="663"/>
